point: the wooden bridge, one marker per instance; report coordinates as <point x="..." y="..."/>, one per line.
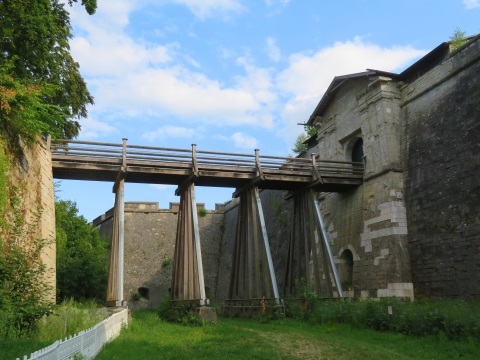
<point x="86" y="160"/>
<point x="252" y="279"/>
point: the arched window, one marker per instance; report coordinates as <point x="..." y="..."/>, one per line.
<point x="357" y="151"/>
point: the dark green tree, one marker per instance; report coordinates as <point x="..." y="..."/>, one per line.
<point x="37" y="67"/>
<point x="82" y="256"/>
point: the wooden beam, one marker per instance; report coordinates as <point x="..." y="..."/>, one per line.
<point x="252" y="183"/>
<point x="188" y="181"/>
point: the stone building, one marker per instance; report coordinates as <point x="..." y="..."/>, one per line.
<point x="414" y="224"/>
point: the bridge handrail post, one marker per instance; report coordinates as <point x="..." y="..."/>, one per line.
<point x="258" y="166"/>
<point x="194" y="159"/>
<point x="315" y="173"/>
<point x="124" y="154"/>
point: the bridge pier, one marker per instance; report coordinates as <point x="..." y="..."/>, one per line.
<point x="310" y="262"/>
<point x="188" y="287"/>
<point x="253" y="286"/>
<point x="115" y="271"/>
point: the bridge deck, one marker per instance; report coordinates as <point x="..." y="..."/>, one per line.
<point x="85" y="160"/>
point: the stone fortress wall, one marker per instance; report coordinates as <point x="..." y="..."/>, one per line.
<point x="441" y="152"/>
<point x="149" y="247"/>
<point x="31" y="172"/>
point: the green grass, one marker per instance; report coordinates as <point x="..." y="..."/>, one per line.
<point x="68" y="319"/>
<point x="149" y="338"/>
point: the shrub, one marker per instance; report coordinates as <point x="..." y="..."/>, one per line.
<point x="183" y="315"/>
<point x="454" y="319"/>
<point x="167" y="261"/>
<point x="202" y="212"/>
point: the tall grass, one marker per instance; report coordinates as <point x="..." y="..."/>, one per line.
<point x="147" y="337"/>
<point x="454" y="319"/>
<point x="68" y="318"/>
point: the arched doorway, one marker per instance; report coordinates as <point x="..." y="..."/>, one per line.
<point x="346" y="269"/>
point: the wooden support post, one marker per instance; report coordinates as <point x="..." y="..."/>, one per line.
<point x="194" y="160"/>
<point x="113" y="271"/>
<point x="124" y="154"/>
<point x="306" y="246"/>
<point x="252" y="279"/>
<point x="198" y="249"/>
<point x="267" y="248"/>
<point x="121" y="239"/>
<point x="327" y="247"/>
<point x="315" y="173"/>
<point x="187" y="273"/>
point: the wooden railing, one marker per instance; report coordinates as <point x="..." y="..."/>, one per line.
<point x="198" y="160"/>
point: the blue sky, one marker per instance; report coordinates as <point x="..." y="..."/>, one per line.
<point x="234" y="75"/>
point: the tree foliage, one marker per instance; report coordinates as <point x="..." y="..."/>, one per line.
<point x="40" y="83"/>
<point x="299" y="146"/>
<point x="82" y="256"/>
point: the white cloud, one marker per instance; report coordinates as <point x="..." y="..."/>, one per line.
<point x="91" y="128"/>
<point x="240" y="140"/>
<point x="471" y="4"/>
<point x="169" y="131"/>
<point x="207" y="8"/>
<point x="276" y="2"/>
<point x="309" y="74"/>
<point x="109" y="53"/>
<point x="135" y="78"/>
<point x="273" y="51"/>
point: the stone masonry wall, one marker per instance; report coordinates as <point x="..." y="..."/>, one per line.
<point x="150" y="244"/>
<point x="368" y="221"/>
<point x="442" y="152"/>
<point x="33" y="171"/>
<point x="277" y="214"/>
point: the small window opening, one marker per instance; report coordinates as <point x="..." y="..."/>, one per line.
<point x="144" y="292"/>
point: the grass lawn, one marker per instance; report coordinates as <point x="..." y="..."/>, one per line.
<point x="149" y="338"/>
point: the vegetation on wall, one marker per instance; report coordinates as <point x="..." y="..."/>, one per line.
<point x="82" y="256"/>
<point x="457" y="39"/>
<point x="23" y="284"/>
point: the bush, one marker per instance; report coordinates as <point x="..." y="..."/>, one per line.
<point x="183" y="315"/>
<point x="454" y="319"/>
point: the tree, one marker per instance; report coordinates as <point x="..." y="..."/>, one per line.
<point x="82" y="256"/>
<point x="299" y="146"/>
<point x="39" y="77"/>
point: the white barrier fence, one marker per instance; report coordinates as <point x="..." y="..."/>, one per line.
<point x="86" y="343"/>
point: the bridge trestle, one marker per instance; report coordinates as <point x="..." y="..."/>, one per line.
<point x="115" y="271"/>
<point x="310" y="264"/>
<point x="187" y="276"/>
<point x="253" y="285"/>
